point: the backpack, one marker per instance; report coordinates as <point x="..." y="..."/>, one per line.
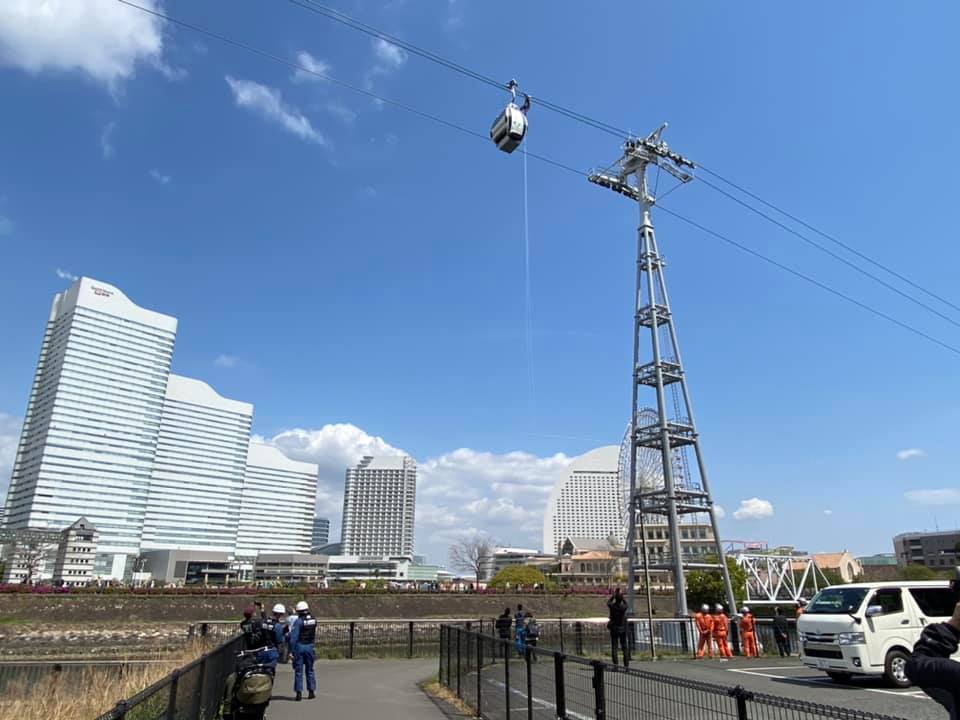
<point x="255" y="636"/>
<point x="533" y="630"/>
<point x="254" y="688"/>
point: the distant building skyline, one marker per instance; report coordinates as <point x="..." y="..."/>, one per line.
<point x="153" y="460"/>
<point x="379" y="505"/>
<point x="586" y="501"/>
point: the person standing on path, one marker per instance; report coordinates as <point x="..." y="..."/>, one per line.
<point x="520" y="619"/>
<point x="721" y="627"/>
<point x="748" y="626"/>
<point x="781" y="632"/>
<point x="704" y="621"/>
<point x="617" y="625"/>
<point x="531" y="634"/>
<point x="504" y="624"/>
<point x="302" y="636"/>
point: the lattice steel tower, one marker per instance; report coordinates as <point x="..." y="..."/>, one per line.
<point x="680" y="495"/>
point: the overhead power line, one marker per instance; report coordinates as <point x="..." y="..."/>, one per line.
<point x="828" y="251"/>
<point x="832" y="238"/>
<point x="467" y="131"/>
<point x="345" y="19"/>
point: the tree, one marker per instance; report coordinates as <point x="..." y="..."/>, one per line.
<point x="469" y="554"/>
<point x="706" y="587"/>
<point x="917" y="572"/>
<point x="516" y="575"/>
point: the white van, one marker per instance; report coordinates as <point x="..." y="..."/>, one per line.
<point x="870" y="628"/>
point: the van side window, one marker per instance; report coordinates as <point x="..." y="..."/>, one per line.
<point x="890" y="599"/>
<point x="934" y="602"/>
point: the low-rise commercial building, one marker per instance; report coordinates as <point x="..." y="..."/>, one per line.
<point x="935" y="550"/>
<point x="73" y="566"/>
<point x="188" y="567"/>
<point x="290" y="568"/>
<point x="341" y="568"/>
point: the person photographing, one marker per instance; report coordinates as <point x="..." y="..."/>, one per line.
<point x="618" y="626"/>
<point x="930" y="666"/>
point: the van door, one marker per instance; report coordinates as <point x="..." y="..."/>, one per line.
<point x="894" y="626"/>
<point x="935" y="605"/>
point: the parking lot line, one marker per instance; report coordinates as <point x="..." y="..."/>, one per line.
<point x="916" y="694"/>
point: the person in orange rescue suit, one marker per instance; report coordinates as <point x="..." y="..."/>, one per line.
<point x="721" y="625"/>
<point x="705" y="627"/>
<point x="748" y="626"/>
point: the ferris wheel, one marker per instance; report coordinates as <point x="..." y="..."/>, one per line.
<point x="649" y="468"/>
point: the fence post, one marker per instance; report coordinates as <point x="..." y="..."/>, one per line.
<point x="479" y="671"/>
<point x="458" y="662"/>
<point x="528" y="656"/>
<point x="599" y="699"/>
<point x="201" y="683"/>
<point x="449" y="656"/>
<point x="120" y="710"/>
<point x="172" y="700"/>
<point x="506" y="676"/>
<point x="735" y="636"/>
<point x="352" y="632"/>
<point x="410" y="641"/>
<point x="204" y="629"/>
<point x="561" y="635"/>
<point x="578" y="636"/>
<point x="559" y="687"/>
<point x="443" y="631"/>
<point x="741" y="695"/>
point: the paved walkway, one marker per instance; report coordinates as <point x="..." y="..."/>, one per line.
<point x="360" y="690"/>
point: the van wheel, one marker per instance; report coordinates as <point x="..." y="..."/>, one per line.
<point x="895" y="669"/>
<point x="840" y="677"/>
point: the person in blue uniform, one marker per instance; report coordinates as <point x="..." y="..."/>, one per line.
<point x="303" y="634"/>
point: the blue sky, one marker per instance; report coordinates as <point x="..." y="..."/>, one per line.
<point x="357" y="272"/>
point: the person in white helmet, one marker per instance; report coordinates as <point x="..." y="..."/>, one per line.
<point x="721" y="624"/>
<point x="302" y="636"/>
<point x="704" y="621"/>
<point x="280" y="629"/>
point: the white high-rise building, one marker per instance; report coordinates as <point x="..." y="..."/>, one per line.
<point x="587" y="501"/>
<point x="276" y="512"/>
<point x="90" y="431"/>
<point x="198" y="471"/>
<point x="379" y="503"/>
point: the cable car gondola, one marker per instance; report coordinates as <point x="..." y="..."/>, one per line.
<point x="510" y="127"/>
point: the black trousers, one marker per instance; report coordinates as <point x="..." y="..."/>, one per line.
<point x="783" y="644"/>
<point x="620" y="636"/>
<point x="503" y="647"/>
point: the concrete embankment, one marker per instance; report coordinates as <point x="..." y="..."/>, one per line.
<point x="121" y="609"/>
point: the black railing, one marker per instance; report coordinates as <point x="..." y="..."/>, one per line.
<point x="544" y="683"/>
<point x="193" y="691"/>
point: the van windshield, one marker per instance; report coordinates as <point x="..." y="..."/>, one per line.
<point x="836" y="601"/>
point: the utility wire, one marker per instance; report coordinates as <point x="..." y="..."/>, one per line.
<point x="831" y="238"/>
<point x="343" y="18"/>
<point x="560" y="165"/>
<point x="831" y="253"/>
<point x="809" y="279"/>
<point x="330" y="78"/>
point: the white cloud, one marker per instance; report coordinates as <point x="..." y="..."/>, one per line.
<point x="942" y="496"/>
<point x="160" y="177"/>
<point x="454" y="14"/>
<point x="342" y="113"/>
<point x="106" y="140"/>
<point x="719" y="512"/>
<point x="104" y="40"/>
<point x="458" y="493"/>
<point x="9" y="437"/>
<point x="268" y="102"/>
<point x="308" y="66"/>
<point x="226" y="361"/>
<point x="66" y="275"/>
<point x="6" y="226"/>
<point x="753" y="509"/>
<point x="828" y="512"/>
<point x="389" y="56"/>
<point x="910" y="453"/>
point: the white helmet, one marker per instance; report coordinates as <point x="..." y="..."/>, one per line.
<point x="719" y="607"/>
<point x="302" y="606"/>
<point x="802" y="601"/>
<point x="705" y="608"/>
<point x="279" y="609"/>
<point x="745" y="609"/>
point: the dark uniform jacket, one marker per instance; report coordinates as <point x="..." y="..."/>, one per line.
<point x="618" y="615"/>
<point x="504" y="623"/>
<point x="931" y="668"/>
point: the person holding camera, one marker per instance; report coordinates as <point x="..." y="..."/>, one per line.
<point x="618" y="625"/>
<point x="931" y="668"/>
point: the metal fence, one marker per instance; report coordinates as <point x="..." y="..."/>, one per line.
<point x="193" y="691"/>
<point x="497" y="683"/>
